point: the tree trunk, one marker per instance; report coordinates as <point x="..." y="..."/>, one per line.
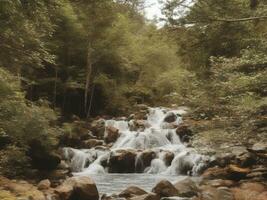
<point x="88" y="76"/>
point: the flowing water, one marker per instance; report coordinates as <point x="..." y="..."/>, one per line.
<point x="157" y="136"/>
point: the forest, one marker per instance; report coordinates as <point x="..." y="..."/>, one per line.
<point x="67" y="64"/>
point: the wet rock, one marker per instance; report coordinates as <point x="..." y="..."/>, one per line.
<point x="122" y="161"/>
<point x="82" y="188"/>
<point x="150" y="196"/>
<point x="165" y="189"/>
<point x="170" y="117"/>
<point x="98" y="128"/>
<point x="168" y="157"/>
<point x="187" y="188"/>
<point x="184" y="132"/>
<point x="91" y="143"/>
<point x="111" y="134"/>
<point x="140" y="125"/>
<point x="211" y="193"/>
<point x="44" y="185"/>
<point x="132" y="191"/>
<point x="255" y="191"/>
<point x="144" y="160"/>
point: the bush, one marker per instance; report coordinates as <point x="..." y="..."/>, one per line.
<point x="23" y="122"/>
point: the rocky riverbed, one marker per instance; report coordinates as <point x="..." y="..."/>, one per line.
<point x="160" y="145"/>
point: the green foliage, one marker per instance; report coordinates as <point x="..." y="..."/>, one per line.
<point x="23" y="122"/>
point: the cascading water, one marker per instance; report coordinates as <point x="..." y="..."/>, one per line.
<point x="150" y="145"/>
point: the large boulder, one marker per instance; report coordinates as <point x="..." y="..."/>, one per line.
<point x="77" y="188"/>
<point x="132" y="191"/>
<point x="111" y="134"/>
<point x="122" y="161"/>
<point x="187" y="188"/>
<point x="165" y="189"/>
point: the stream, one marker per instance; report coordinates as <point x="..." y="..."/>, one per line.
<point x="151" y="145"/>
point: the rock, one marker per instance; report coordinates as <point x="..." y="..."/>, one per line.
<point x="184" y="133"/>
<point x="122" y="161"/>
<point x="78" y="188"/>
<point x="91" y="143"/>
<point x="211" y="193"/>
<point x="165" y="189"/>
<point x="140" y="125"/>
<point x="168" y="157"/>
<point x="187" y="188"/>
<point x="219" y="183"/>
<point x="144" y="160"/>
<point x="259" y="148"/>
<point x="253" y="191"/>
<point x="98" y="128"/>
<point x="150" y="196"/>
<point x="132" y="191"/>
<point x="44" y="185"/>
<point x="20" y="189"/>
<point x="231" y="172"/>
<point x="57" y="174"/>
<point x="237" y="173"/>
<point x="170" y="117"/>
<point x="111" y="134"/>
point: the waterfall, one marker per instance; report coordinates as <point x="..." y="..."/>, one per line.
<point x="151" y="144"/>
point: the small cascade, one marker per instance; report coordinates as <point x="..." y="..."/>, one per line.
<point x="153" y="147"/>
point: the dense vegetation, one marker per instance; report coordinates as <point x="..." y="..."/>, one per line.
<point x="89" y="57"/>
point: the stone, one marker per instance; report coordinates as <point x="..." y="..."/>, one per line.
<point x="168" y="157"/>
<point x="98" y="128"/>
<point x="184" y="133"/>
<point x="187" y="188"/>
<point x="165" y="189"/>
<point x="91" y="143"/>
<point x="132" y="191"/>
<point x="150" y="196"/>
<point x="111" y="134"/>
<point x="259" y="147"/>
<point x="250" y="190"/>
<point x="211" y="193"/>
<point x="144" y="160"/>
<point x="231" y="172"/>
<point x="122" y="161"/>
<point x="44" y="185"/>
<point x="82" y="188"/>
<point x="170" y="117"/>
<point x="21" y="189"/>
